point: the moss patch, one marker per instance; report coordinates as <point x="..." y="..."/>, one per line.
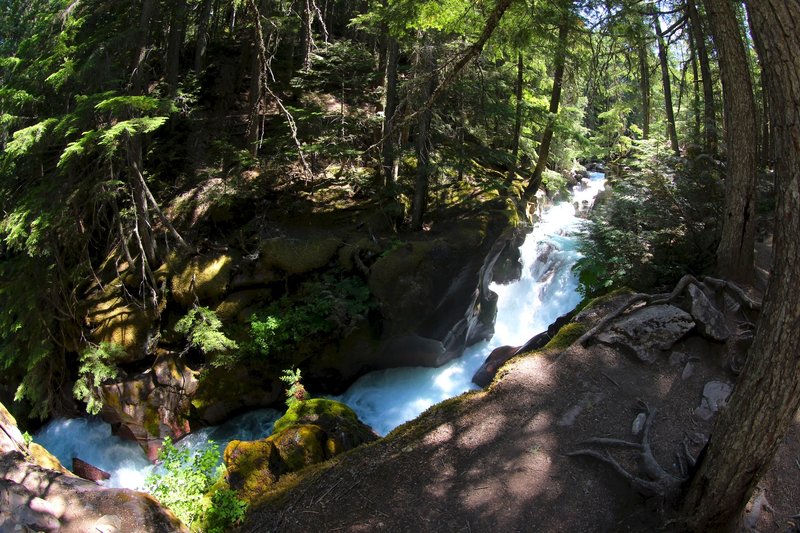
<point x="202" y="278"/>
<point x="566" y="336"/>
<point x="297" y="256"/>
<point x="113" y="320"/>
<point x="314" y="411"/>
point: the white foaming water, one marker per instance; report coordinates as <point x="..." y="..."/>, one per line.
<point x="546" y="290"/>
<point x="387" y="398"/>
<point x="91" y="440"/>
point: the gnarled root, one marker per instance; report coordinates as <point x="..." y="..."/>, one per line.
<point x="658" y="482"/>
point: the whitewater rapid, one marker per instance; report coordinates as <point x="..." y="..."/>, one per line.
<point x="385" y="399"/>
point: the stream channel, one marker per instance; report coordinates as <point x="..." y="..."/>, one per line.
<point x="384" y="399"/>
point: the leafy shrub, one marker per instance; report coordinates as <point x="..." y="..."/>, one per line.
<point x="183" y="484"/>
<point x="319" y="311"/>
<point x="226" y="509"/>
<point x="204" y="331"/>
<point x="96" y="366"/>
<point x="657" y="222"/>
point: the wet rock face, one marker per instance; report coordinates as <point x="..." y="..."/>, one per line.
<point x="649" y="331"/>
<point x="152" y="405"/>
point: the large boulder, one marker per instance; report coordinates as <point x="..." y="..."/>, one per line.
<point x="649" y="331"/>
<point x="113" y="319"/>
<point x="38" y="494"/>
<point x="201" y="278"/>
<point x="311" y="432"/>
<point x="707" y="313"/>
<point x="33" y="498"/>
<point x="434" y="291"/>
<point x="152" y="405"/>
<point x="499" y="356"/>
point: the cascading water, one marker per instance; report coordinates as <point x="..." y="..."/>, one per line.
<point x="546" y="290"/>
<point x="92" y="441"/>
<point x="387" y="398"/>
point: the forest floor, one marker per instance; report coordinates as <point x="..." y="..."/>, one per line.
<point x="496" y="460"/>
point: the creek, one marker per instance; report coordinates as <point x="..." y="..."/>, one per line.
<point x="384" y="399"/>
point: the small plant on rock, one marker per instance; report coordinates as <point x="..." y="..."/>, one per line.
<point x="296" y="391"/>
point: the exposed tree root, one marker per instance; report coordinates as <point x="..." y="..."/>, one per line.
<point x="658" y="482"/>
<point x="666" y="298"/>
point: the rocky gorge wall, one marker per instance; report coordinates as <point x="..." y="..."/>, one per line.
<point x="428" y="298"/>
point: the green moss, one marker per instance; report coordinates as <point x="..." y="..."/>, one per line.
<point x="151" y="422"/>
<point x="300" y="446"/>
<point x="604" y="299"/>
<point x="313" y="411"/>
<point x="566" y="336"/>
<point x="201" y="278"/>
<point x="297" y="256"/>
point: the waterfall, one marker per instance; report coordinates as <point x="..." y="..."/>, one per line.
<point x="385" y="399"/>
<point x="90" y="439"/>
<point x="546" y="290"/>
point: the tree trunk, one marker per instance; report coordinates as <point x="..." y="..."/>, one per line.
<point x="389" y="118"/>
<point x="175" y="44"/>
<point x="665" y="81"/>
<point x="750" y="429"/>
<point x="421" y="184"/>
<point x="695" y="92"/>
<point x="709" y="112"/>
<point x="644" y="87"/>
<point x="202" y="36"/>
<point x="735" y="252"/>
<point x="518" y="118"/>
<point x="555" y="99"/>
<point x="140" y="46"/>
<point x="306" y="34"/>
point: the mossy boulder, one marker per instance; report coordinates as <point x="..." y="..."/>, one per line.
<point x="201" y="278"/>
<point x="296" y="256"/>
<point x="115" y="320"/>
<point x="237" y="306"/>
<point x="310" y="433"/>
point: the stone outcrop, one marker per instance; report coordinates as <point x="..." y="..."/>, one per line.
<point x="37" y="498"/>
<point x="649" y="331"/>
<point x="151" y="405"/>
<point x="311" y="432"/>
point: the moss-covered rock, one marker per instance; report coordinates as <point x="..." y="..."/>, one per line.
<point x="310" y="433"/>
<point x="114" y="320"/>
<point x="566" y="336"/>
<point x="297" y="256"/>
<point x="39" y="455"/>
<point x="236" y="305"/>
<point x="201" y="278"/>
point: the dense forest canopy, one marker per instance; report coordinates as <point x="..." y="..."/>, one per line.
<point x="138" y="134"/>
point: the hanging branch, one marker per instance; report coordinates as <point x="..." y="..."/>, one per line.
<point x="264" y="75"/>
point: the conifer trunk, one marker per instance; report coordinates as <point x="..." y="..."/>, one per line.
<point x="665" y="81"/>
<point x="555" y="99"/>
<point x="709" y="112"/>
<point x="735" y="252"/>
<point x="518" y="117"/>
<point x="419" y="202"/>
<point x="766" y="398"/>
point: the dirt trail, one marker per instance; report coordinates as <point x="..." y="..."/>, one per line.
<point x="495" y="460"/>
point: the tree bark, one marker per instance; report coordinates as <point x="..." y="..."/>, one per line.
<point x="665" y="81"/>
<point x="555" y="99"/>
<point x="423" y="142"/>
<point x="644" y="86"/>
<point x="202" y="36"/>
<point x="750" y="429"/>
<point x="518" y="117"/>
<point x="735" y="252"/>
<point x="175" y="44"/>
<point x="709" y="112"/>
<point x="389" y="118"/>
